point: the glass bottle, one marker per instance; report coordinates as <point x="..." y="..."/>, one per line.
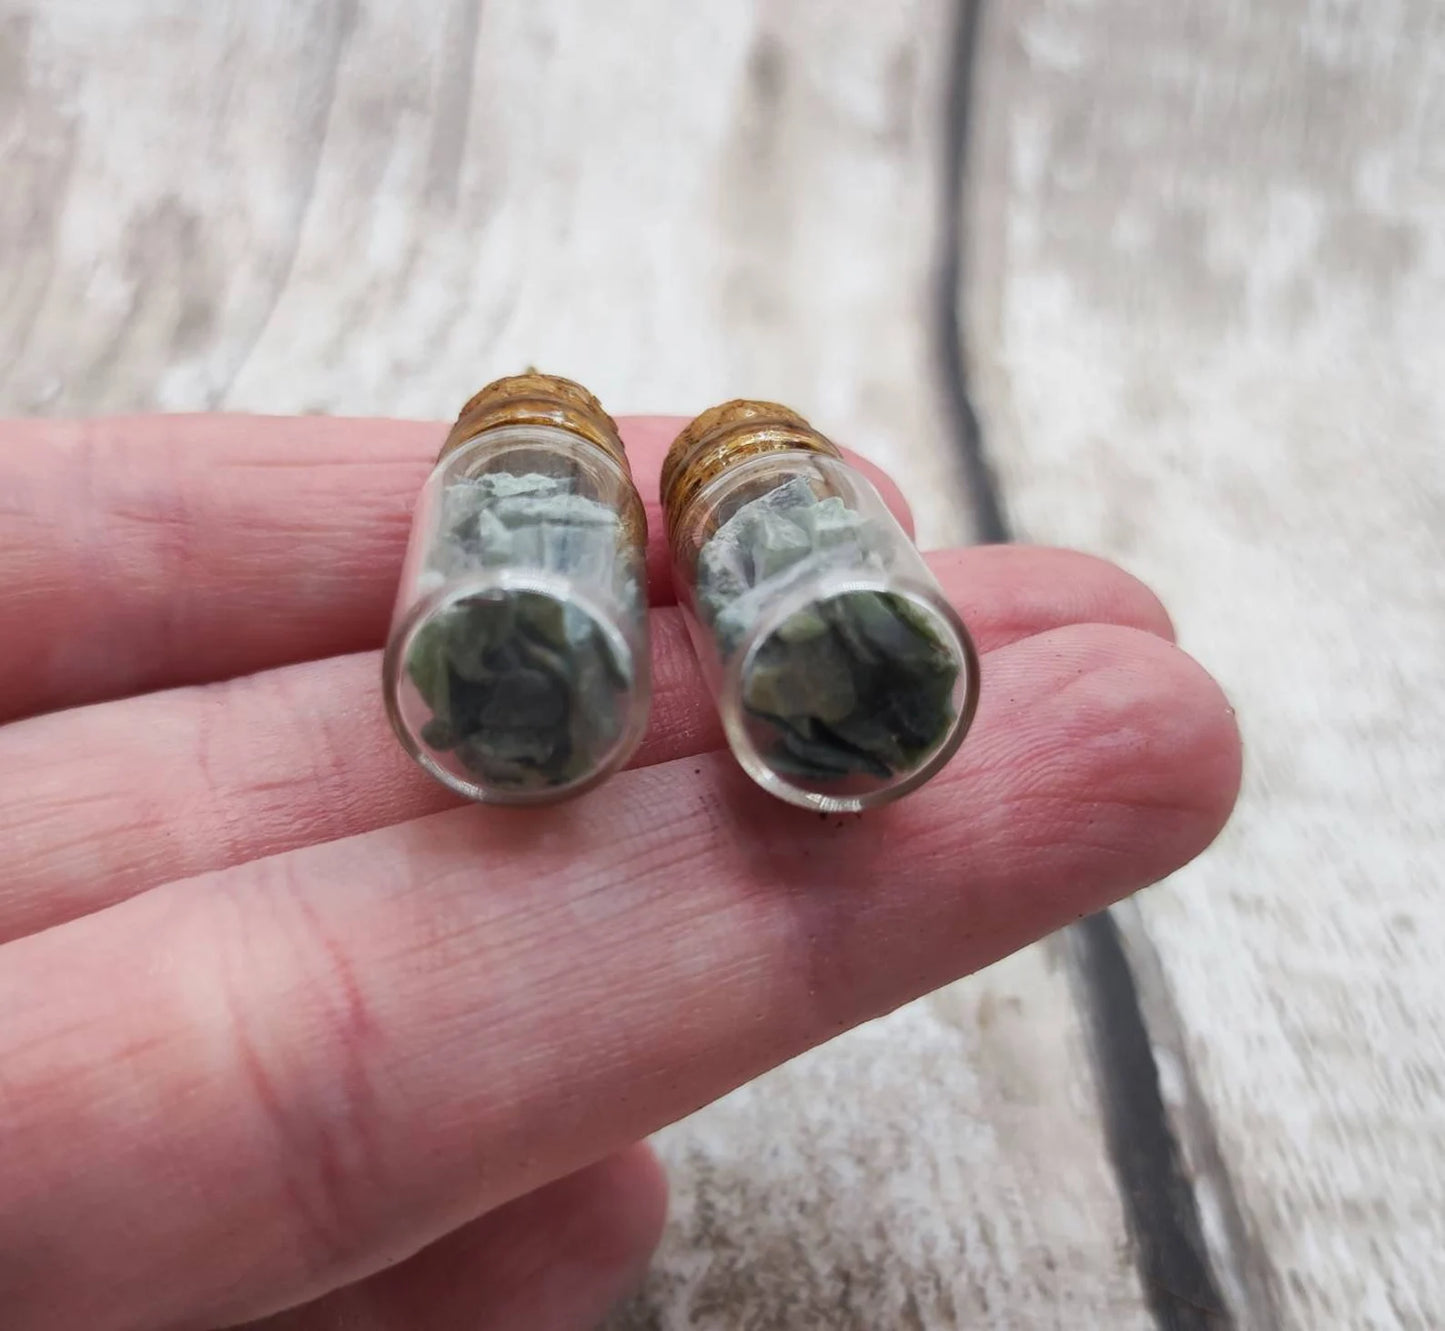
<point x="843" y="676"/>
<point x="516" y="671"/>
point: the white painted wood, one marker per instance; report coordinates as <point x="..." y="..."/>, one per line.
<point x="289" y="205"/>
<point x="937" y="1169"/>
<point x="1208" y="325"/>
<point x="301" y="205"/>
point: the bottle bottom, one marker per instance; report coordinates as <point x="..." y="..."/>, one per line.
<point x="852" y="698"/>
<point x="513" y="694"/>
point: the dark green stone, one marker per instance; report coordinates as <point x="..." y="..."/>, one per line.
<point x="858" y="683"/>
<point x="427" y="664"/>
<point x="532" y="695"/>
<point x="813" y="678"/>
<point x="525" y="690"/>
<point x="872" y="692"/>
<point x="439" y="735"/>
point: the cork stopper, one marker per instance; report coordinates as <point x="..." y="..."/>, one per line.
<point x="722" y="437"/>
<point x="537" y="399"/>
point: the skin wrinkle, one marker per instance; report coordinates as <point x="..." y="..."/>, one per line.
<point x="226" y="826"/>
<point x="328" y="1156"/>
<point x="319" y="1238"/>
<point x="328" y="767"/>
<point x="348" y="1155"/>
<point x="50" y="828"/>
<point x="165" y="513"/>
<point x="583" y="883"/>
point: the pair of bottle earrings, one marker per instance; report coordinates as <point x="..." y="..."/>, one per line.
<point x="517" y="668"/>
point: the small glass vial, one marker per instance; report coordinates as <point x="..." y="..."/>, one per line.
<point x="517" y="667"/>
<point x="843" y="675"/>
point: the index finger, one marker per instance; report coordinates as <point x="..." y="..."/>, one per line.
<point x="146" y="552"/>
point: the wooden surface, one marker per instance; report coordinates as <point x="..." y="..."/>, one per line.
<point x="1205" y="306"/>
<point x="327" y="205"/>
<point x="1208" y="317"/>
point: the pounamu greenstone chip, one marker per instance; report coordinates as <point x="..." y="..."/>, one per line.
<point x="860" y="682"/>
<point x="872" y="692"/>
<point x="525" y="689"/>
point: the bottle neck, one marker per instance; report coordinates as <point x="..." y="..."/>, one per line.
<point x="726" y="437"/>
<point x="538" y="400"/>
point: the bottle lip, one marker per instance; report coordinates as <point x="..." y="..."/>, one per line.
<point x="537" y="399"/>
<point x="508" y="581"/>
<point x="927" y="599"/>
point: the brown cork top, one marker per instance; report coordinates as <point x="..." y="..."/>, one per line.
<point x="538" y="399"/>
<point x="722" y="437"/>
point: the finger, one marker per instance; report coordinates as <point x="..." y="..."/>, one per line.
<point x="99" y="803"/>
<point x="358" y="1046"/>
<point x="149" y="552"/>
<point x="558" y="1259"/>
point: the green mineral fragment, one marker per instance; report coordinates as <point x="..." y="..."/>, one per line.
<point x="525" y="694"/>
<point x="527" y="521"/>
<point x="803" y="626"/>
<point x="813" y="677"/>
<point x="427" y="664"/>
<point x="872" y="692"/>
<point x="525" y="689"/>
<point x="778" y="543"/>
<point x="859" y="682"/>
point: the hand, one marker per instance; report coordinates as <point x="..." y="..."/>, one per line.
<point x="279" y="1022"/>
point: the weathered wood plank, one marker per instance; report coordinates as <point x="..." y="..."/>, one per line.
<point x="940" y="1168"/>
<point x="295" y="205"/>
<point x="334" y="206"/>
<point x="1209" y="329"/>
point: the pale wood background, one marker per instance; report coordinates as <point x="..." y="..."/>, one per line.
<point x="1209" y="324"/>
<point x="1204" y="301"/>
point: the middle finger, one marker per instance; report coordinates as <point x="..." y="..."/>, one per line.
<point x="100" y="803"/>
